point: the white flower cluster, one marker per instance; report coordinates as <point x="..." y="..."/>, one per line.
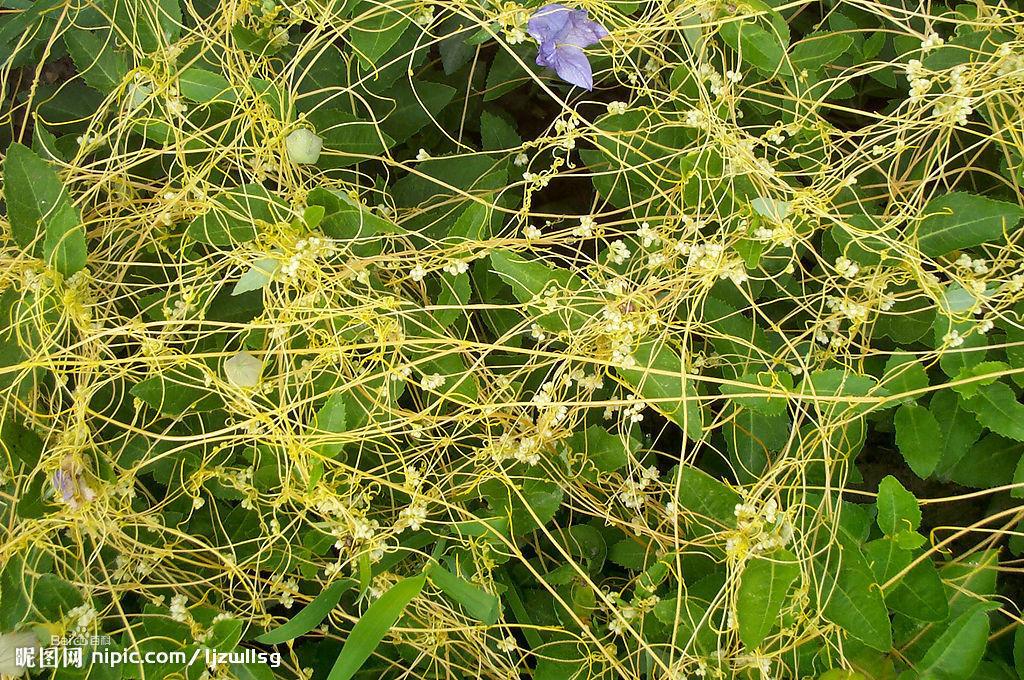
<point x="920" y="84"/>
<point x="712" y="260"/>
<point x="1010" y="62"/>
<point x="634" y="491"/>
<point x="957" y="102"/>
<point x="931" y="41"/>
<point x="285" y="590"/>
<point x="307" y="252"/>
<point x="846" y="267"/>
<point x="523" y="450"/>
<point x="585" y="228"/>
<point x="618" y="251"/>
<point x="84" y="615"/>
<point x="648" y="235"/>
<point x="758" y="529"/>
<point x="432" y="381"/>
<point x="179" y="610"/>
<point x="412" y="516"/>
<point x="617" y="108"/>
<point x="977" y="266"/>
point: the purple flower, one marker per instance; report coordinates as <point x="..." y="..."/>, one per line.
<point x="562" y="34"/>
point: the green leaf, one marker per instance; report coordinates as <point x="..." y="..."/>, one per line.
<point x="916" y="434"/>
<point x="376" y="29"/>
<point x="763" y="381"/>
<point x="347" y="139"/>
<point x="667" y="390"/>
<point x="702" y="494"/>
<point x="38" y="204"/>
<point x="763" y="48"/>
<point x="898" y="510"/>
<point x="996" y="407"/>
<point x="232" y="219"/>
<point x="408" y="106"/>
<point x="478" y="603"/>
<point x="960" y="220"/>
<point x="629" y="553"/>
<point x="498" y="133"/>
<point x="751" y="436"/>
<point x="530" y="278"/>
<point x="225" y="634"/>
<point x="990" y="463"/>
<point x="855" y="604"/>
<point x="958" y="651"/>
<point x="176" y="391"/>
<point x="608" y="452"/>
<point x="903" y="373"/>
<point x="261" y="273"/>
<point x="818" y="49"/>
<point x="529" y="506"/>
<point x="762" y="591"/>
<point x="309" y="617"/>
<point x="331" y="419"/>
<point x="204" y="86"/>
<point x="101" y="66"/>
<point x="54" y="597"/>
<point x="373" y="625"/>
<point x="958" y="429"/>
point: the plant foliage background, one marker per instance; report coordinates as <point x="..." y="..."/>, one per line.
<point x="713" y="371"/>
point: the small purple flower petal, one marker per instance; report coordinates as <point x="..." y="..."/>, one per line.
<point x="562" y="34"/>
<point x="572" y="66"/>
<point x="64" y="485"/>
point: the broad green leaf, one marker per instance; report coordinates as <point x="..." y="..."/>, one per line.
<point x="409" y="106"/>
<point x="996" y="407"/>
<point x="261" y="273"/>
<point x="64" y="246"/>
<point x="855" y="603"/>
<point x="377" y="27"/>
<point x="530" y="504"/>
<point x="702" y="494"/>
<point x="991" y="462"/>
<point x="916" y="434"/>
<point x="903" y="373"/>
<point x="331" y="419"/>
<point x="101" y="66"/>
<point x="529" y="279"/>
<point x="751" y="437"/>
<point x="176" y="391"/>
<point x="309" y="617"/>
<point x="347" y="139"/>
<point x="455" y="292"/>
<point x="958" y="651"/>
<point x="765" y="381"/>
<point x="630" y="554"/>
<point x="660" y="378"/>
<point x="759" y="46"/>
<point x="39" y="205"/>
<point x="958" y="429"/>
<point x="960" y="220"/>
<point x="54" y="597"/>
<point x="233" y="216"/>
<point x="920" y="594"/>
<point x="373" y="625"/>
<point x="818" y="49"/>
<point x="762" y="591"/>
<point x="608" y="452"/>
<point x="477" y="603"/>
<point x="498" y="133"/>
<point x="898" y="510"/>
<point x="225" y="634"/>
<point x="203" y="86"/>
